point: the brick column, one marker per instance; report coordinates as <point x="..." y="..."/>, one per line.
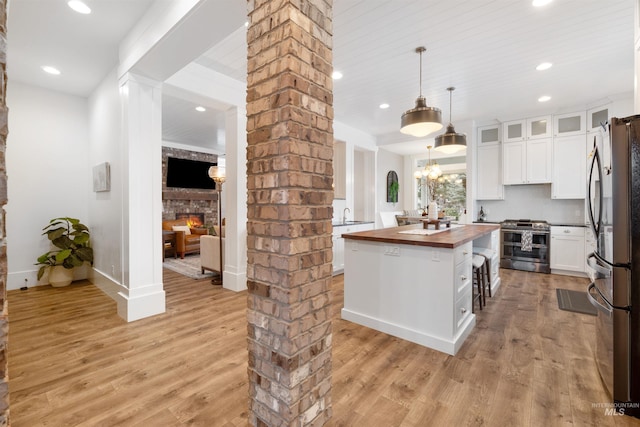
<point x="289" y="182"/>
<point x="4" y="130"/>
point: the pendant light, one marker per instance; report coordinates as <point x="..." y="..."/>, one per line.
<point x="450" y="142"/>
<point x="421" y="120"/>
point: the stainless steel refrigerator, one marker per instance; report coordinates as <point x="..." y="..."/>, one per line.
<point x="614" y="213"/>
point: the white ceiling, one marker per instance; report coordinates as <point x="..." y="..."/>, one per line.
<point x="487" y="49"/>
<point x="83" y="47"/>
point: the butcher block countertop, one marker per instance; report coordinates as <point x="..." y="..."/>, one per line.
<point x="449" y="238"/>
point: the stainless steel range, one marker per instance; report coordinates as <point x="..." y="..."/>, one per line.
<point x="525" y="245"/>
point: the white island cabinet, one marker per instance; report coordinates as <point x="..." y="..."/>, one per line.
<point x="414" y="287"/>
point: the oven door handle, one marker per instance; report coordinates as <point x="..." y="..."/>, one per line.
<point x="534" y="232"/>
<point x="608" y="310"/>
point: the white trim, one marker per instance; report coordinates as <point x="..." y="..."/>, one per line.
<point x="233" y="281"/>
<point x="418" y="337"/>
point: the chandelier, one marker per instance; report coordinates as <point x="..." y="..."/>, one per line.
<point x="431" y="170"/>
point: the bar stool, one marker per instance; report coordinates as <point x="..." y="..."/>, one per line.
<point x="488" y="255"/>
<point x="478" y="261"/>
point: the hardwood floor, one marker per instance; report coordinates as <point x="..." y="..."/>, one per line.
<point x="74" y="362"/>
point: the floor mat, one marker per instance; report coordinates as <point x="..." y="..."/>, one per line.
<point x="188" y="266"/>
<point x="575" y="301"/>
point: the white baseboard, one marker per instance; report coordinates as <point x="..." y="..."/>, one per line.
<point x="132" y="305"/>
<point x="139" y="306"/>
<point x="16" y="279"/>
<point x="419" y="337"/>
<point x="236" y="282"/>
<point x="570" y="273"/>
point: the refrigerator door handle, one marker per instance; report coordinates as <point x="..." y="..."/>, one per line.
<point x="592" y="261"/>
<point x="595" y="162"/>
<point x="595" y="303"/>
<point x="598" y="257"/>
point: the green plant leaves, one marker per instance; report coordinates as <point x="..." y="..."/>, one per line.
<point x="72" y="238"/>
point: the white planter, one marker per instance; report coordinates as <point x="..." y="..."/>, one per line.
<point x="433" y="210"/>
<point x="60" y="276"/>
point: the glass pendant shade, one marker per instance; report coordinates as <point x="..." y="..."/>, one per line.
<point x="450" y="142"/>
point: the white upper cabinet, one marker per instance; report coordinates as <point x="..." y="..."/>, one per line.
<point x="514" y="131"/>
<point x="514" y="161"/>
<point x="595" y="116"/>
<point x="489" y="163"/>
<point x="489" y="173"/>
<point x="533" y="128"/>
<point x="570" y="172"/>
<point x="539" y="127"/>
<point x="569" y="124"/>
<point x="539" y="161"/>
<point x="527" y="162"/>
<point x="489" y="135"/>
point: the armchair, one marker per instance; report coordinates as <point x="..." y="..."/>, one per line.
<point x="187" y="238"/>
<point x="210" y="253"/>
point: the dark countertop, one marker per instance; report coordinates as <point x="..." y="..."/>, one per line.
<point x="345" y="224"/>
<point x="557" y="224"/>
<point x="450" y="238"/>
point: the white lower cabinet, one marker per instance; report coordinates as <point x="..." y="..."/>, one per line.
<point x="338" y="242"/>
<point x="567" y="249"/>
<point x="590" y="247"/>
<point x="338" y="252"/>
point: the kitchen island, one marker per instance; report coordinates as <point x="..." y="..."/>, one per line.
<point x="414" y="286"/>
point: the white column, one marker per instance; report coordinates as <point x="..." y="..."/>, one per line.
<point x="234" y="200"/>
<point x="142" y="293"/>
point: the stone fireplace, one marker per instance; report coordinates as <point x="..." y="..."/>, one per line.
<point x="186" y="201"/>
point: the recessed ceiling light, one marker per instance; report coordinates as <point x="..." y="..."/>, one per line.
<point x="79" y="7"/>
<point x="540" y="3"/>
<point x="544" y="66"/>
<point x="384" y="106"/>
<point x="246" y="23"/>
<point x="200" y="108"/>
<point x="336" y="75"/>
<point x="51" y="70"/>
<point x="544" y="98"/>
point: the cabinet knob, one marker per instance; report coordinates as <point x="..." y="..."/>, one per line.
<point x="464" y="252"/>
<point x="567" y="231"/>
<point x="463" y="310"/>
<point x="463" y="277"/>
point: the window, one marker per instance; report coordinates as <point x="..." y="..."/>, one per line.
<point x="450" y="190"/>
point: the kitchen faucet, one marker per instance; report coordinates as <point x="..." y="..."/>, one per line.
<point x="344" y="214"/>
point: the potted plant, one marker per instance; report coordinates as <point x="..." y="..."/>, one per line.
<point x="71" y="240"/>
